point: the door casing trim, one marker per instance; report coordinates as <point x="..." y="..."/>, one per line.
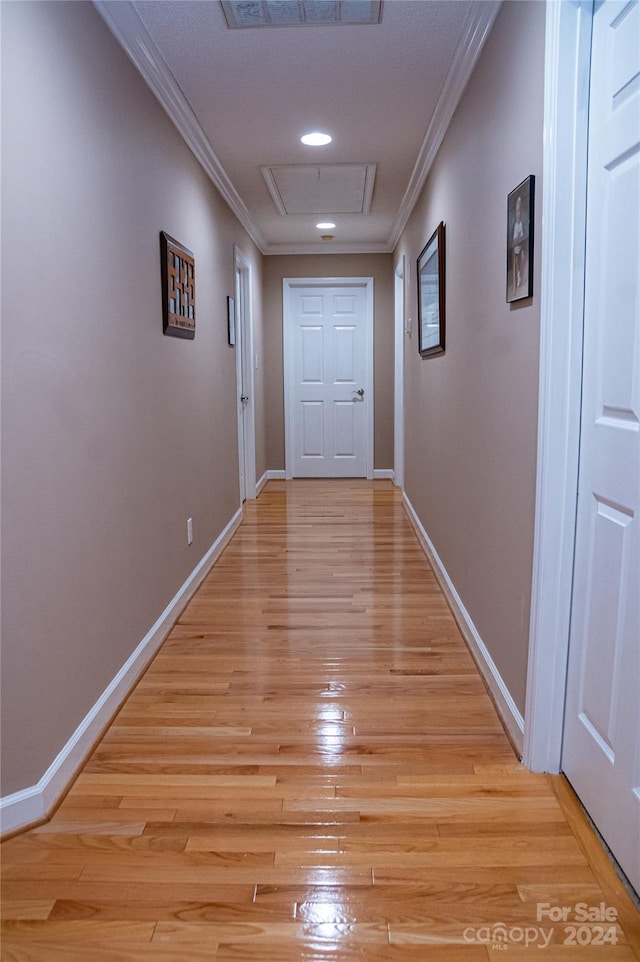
<point x="398" y="406"/>
<point x="244" y="359"/>
<point x="287" y="284"/>
<point x="567" y="68"/>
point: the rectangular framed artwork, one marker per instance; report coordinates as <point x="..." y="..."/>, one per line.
<point x="178" y="272"/>
<point x="431" y="295"/>
<point x="520" y="240"/>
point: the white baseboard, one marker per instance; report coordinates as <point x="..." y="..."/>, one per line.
<point x="261" y="483"/>
<point x="33" y="804"/>
<point x="505" y="705"/>
<point x="379" y="474"/>
<point x="383" y="474"/>
<point x="269" y="476"/>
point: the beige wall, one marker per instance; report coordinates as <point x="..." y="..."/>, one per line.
<point x="471" y="414"/>
<point x="112" y="433"/>
<point x="378" y="266"/>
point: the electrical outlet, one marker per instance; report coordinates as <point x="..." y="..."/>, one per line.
<point x="189" y="530"/>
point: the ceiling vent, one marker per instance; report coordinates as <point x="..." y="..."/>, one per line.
<point x="300" y="13"/>
<point x="321" y="188"/>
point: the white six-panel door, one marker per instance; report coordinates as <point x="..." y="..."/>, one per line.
<point x="328" y="337"/>
<point x="601" y="747"/>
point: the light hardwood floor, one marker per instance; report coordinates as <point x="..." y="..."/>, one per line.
<point x="312" y="771"/>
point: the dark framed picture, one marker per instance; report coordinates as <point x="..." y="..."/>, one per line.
<point x="178" y="272"/>
<point x="520" y="240"/>
<point x="231" y="321"/>
<point x="431" y="295"/>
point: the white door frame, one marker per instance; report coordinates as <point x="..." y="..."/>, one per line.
<point x="398" y="391"/>
<point x="567" y="67"/>
<point x="244" y="376"/>
<point x="287" y="284"/>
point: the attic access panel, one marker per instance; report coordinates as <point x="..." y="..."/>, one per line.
<point x="321" y="189"/>
<point x="300" y="13"/>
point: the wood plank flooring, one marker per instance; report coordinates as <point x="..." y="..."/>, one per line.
<point x="312" y="771"/>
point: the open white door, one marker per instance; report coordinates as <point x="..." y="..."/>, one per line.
<point x="601" y="745"/>
<point x="328" y="344"/>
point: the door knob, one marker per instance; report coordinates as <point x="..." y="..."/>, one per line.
<point x="361" y="391"/>
<point x="244" y="397"/>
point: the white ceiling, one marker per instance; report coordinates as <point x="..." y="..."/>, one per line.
<point x="242" y="98"/>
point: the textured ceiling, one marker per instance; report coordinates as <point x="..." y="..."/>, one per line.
<point x="243" y="98"/>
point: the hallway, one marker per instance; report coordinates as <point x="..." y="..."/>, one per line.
<point x="310" y="770"/>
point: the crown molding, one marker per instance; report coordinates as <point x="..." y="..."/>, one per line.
<point x="123" y="21"/>
<point x="328" y="247"/>
<point x="479" y="22"/>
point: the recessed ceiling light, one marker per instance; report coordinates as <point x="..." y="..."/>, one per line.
<point x="326" y="225"/>
<point x="316" y="139"/>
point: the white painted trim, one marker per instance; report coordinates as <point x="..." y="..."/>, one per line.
<point x="272" y="187"/>
<point x="269" y="476"/>
<point x="330" y="247"/>
<point x="480" y="20"/>
<point x="370" y="179"/>
<point x="244" y="319"/>
<point x="505" y="705"/>
<point x="34" y="803"/>
<point x="261" y="483"/>
<point x="126" y="26"/>
<point x="242" y="481"/>
<point x="398" y="384"/>
<point x="379" y="474"/>
<point x="567" y="61"/>
<point x="124" y="23"/>
<point x="287" y="284"/>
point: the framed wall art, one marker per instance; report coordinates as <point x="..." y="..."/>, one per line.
<point x="520" y="240"/>
<point x="231" y="321"/>
<point x="431" y="295"/>
<point x="178" y="272"/>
